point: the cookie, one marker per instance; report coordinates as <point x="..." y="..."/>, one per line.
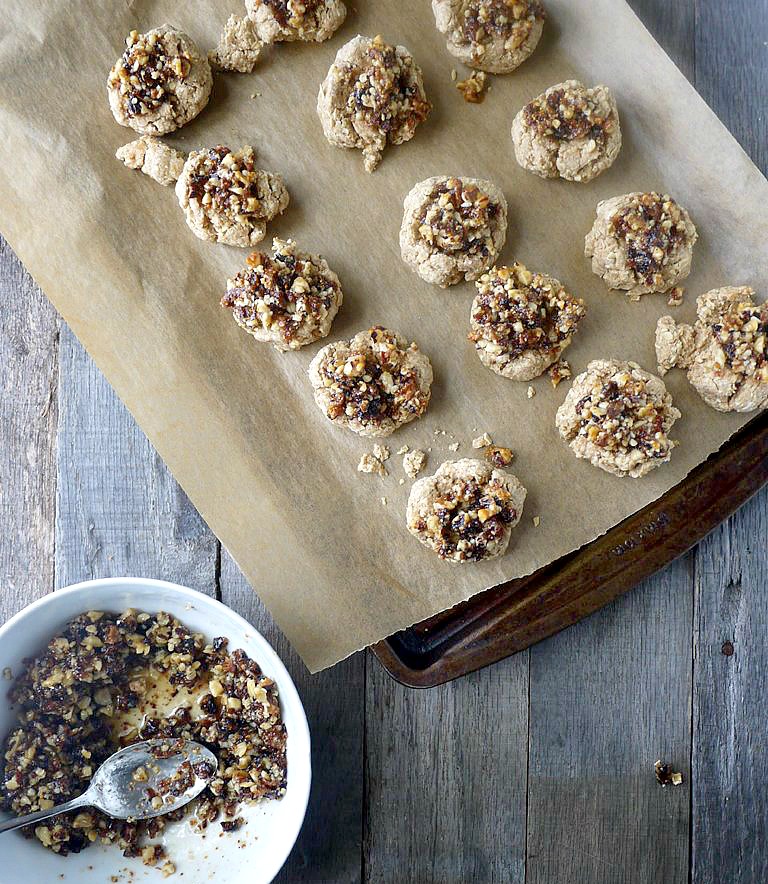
<point x="522" y="321"/>
<point x="569" y="132"/>
<point x="618" y="417"/>
<point x="453" y="228"/>
<point x="641" y="243"/>
<point x="466" y="511"/>
<point x="160" y="83"/>
<point x="372" y="96"/>
<point x="154" y="158"/>
<point x="225" y="198"/>
<point x="372" y="384"/>
<point x="491" y="35"/>
<point x="278" y="21"/>
<point x="288" y="299"/>
<point x="239" y="47"/>
<point x="724" y="352"/>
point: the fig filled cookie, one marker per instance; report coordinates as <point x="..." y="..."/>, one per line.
<point x="490" y="35"/>
<point x="641" y="243"/>
<point x="618" y="417"/>
<point x="372" y="96"/>
<point x="160" y="82"/>
<point x="278" y="21"/>
<point x="372" y="384"/>
<point x="522" y="321"/>
<point x="227" y="199"/>
<point x="453" y="228"/>
<point x="466" y="511"/>
<point x="288" y="299"/>
<point x="569" y="132"/>
<point x="724" y="352"/>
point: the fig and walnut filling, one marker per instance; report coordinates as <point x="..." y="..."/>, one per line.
<point x="459" y="217"/>
<point x="145" y="71"/>
<point x="518" y="313"/>
<point x="289" y="298"/>
<point x="107" y="681"/>
<point x="569" y="113"/>
<point x="651" y="227"/>
<point x="742" y="333"/>
<point x="374" y="383"/>
<point x="512" y="21"/>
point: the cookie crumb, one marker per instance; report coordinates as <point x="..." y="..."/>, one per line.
<point x="454" y="74"/>
<point x="8" y="673"/>
<point x="381" y="452"/>
<point x="536" y="521"/>
<point x="559" y="372"/>
<point x="383" y="501"/>
<point x="531" y="392"/>
<point x="403" y="449"/>
<point x="401" y="481"/>
<point x="676" y="296"/>
<point x="168" y="869"/>
<point x="454" y="446"/>
<point x="665" y="775"/>
<point x="498" y="456"/>
<point x="369" y="463"/>
<point x="482" y="441"/>
<point x="473" y="89"/>
<point x="413" y="462"/>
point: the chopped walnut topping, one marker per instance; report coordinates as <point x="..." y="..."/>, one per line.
<point x="517" y="312"/>
<point x="559" y="372"/>
<point x="145" y="72"/>
<point x="482" y="441"/>
<point x="289" y="298"/>
<point x="567" y="114"/>
<point x="375" y="382"/>
<point x="413" y="462"/>
<point x="500" y="457"/>
<point x="512" y="20"/>
<point x="459" y="217"/>
<point x="473" y="89"/>
<point x="651" y="227"/>
<point x="742" y="332"/>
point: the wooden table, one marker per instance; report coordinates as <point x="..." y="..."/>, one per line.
<point x="538" y="770"/>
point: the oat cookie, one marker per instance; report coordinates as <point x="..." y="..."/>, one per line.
<point x="453" y="228"/>
<point x="491" y="35"/>
<point x="226" y="198"/>
<point x="154" y="158"/>
<point x="522" y="321"/>
<point x="288" y="299"/>
<point x="618" y="417"/>
<point x="569" y="132"/>
<point x="724" y="351"/>
<point x="372" y="96"/>
<point x="239" y="47"/>
<point x="160" y="82"/>
<point x="310" y="21"/>
<point x="466" y="511"/>
<point x="372" y="384"/>
<point x="641" y="243"/>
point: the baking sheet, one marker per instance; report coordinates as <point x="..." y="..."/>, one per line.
<point x="235" y="420"/>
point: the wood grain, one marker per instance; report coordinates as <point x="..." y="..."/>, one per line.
<point x="329" y="847"/>
<point x="29" y="334"/>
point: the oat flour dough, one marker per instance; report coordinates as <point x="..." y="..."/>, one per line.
<point x="372" y="96"/>
<point x="225" y="198"/>
<point x="641" y="243"/>
<point x="372" y="384"/>
<point x="466" y="511"/>
<point x="618" y="417"/>
<point x="453" y="228"/>
<point x="724" y="352"/>
<point x="522" y="321"/>
<point x="278" y="21"/>
<point x="239" y="47"/>
<point x="154" y="158"/>
<point x="491" y="35"/>
<point x="569" y="132"/>
<point x="160" y="82"/>
<point x="288" y="298"/>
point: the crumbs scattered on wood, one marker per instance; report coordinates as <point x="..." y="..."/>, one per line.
<point x="727" y="649"/>
<point x="665" y="775"/>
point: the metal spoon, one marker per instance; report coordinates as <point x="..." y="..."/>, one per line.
<point x="134" y="782"/>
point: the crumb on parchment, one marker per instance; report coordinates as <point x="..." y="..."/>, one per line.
<point x="413" y="462"/>
<point x="482" y="441"/>
<point x="474" y="88"/>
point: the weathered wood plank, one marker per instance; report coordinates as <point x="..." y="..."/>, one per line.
<point x="28" y="369"/>
<point x="119" y="510"/>
<point x="673" y="26"/>
<point x="730" y="755"/>
<point x="608" y="698"/>
<point x="329" y="847"/>
<point x="446" y="778"/>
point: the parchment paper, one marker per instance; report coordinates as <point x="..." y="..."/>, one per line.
<point x="235" y="420"/>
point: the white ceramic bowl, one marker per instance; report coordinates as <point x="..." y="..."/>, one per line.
<point x="252" y="855"/>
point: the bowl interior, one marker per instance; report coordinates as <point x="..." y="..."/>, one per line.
<point x="253" y="854"/>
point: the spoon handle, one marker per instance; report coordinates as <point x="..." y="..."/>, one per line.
<point x="19" y="821"/>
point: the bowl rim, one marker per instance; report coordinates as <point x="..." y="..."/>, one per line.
<point x="277" y="668"/>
